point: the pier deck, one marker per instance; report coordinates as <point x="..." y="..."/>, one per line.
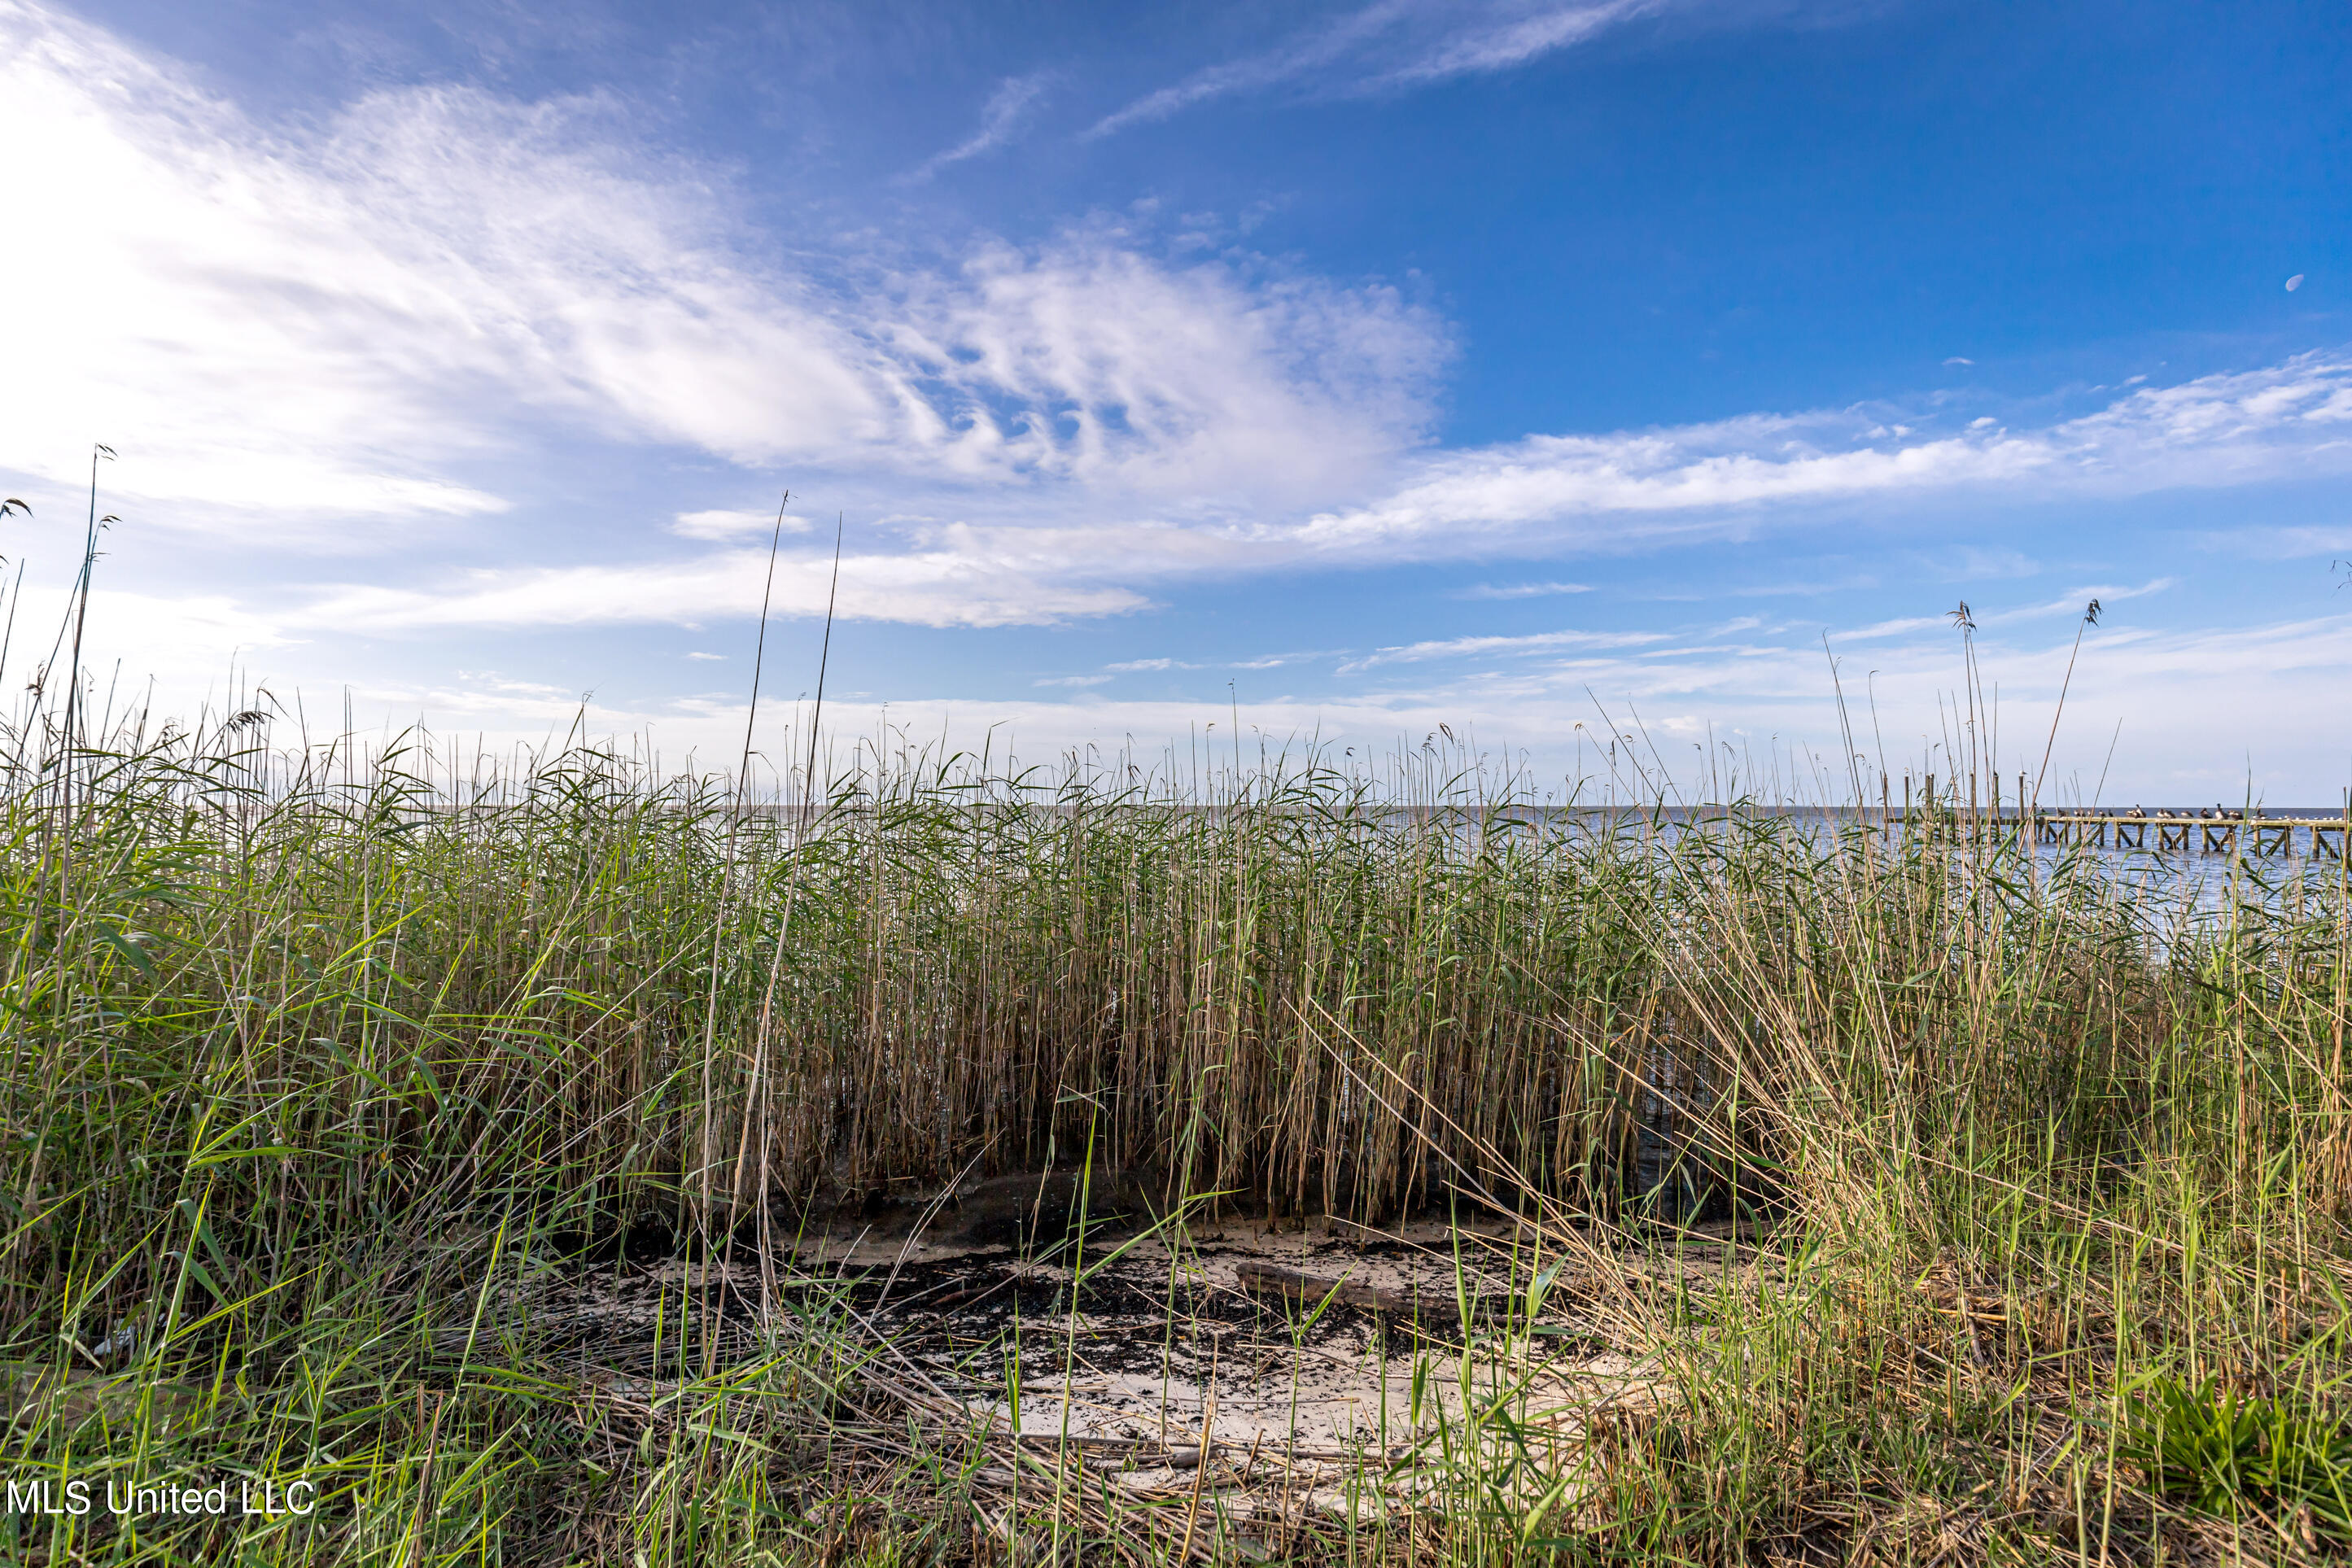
<point x="2266" y="837"/>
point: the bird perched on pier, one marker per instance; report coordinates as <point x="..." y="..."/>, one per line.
<point x="2136" y="811"/>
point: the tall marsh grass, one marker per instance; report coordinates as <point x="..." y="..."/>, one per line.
<point x="315" y="1060"/>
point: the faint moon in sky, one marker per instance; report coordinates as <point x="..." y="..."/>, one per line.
<point x="2295" y="283"/>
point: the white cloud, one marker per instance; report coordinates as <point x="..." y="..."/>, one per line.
<point x="1894" y="628"/>
<point x="191" y="640"/>
<point x="1973" y="563"/>
<point x="2290" y="419"/>
<point x="1502" y="44"/>
<point x="2075" y="600"/>
<point x="1199" y="385"/>
<point x="1307" y="53"/>
<point x="998" y="120"/>
<point x="1540" y="496"/>
<point x="269" y="325"/>
<point x="375" y="319"/>
<point x="1467" y="647"/>
<point x="924" y="589"/>
<point x="1390" y="44"/>
<point x="724" y="525"/>
<point x="2286" y="543"/>
<point x="374" y="327"/>
<point x="2191" y="706"/>
<point x="1074" y="681"/>
<point x="1522" y="589"/>
<point x="2196" y="709"/>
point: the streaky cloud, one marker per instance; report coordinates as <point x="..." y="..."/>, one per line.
<point x="1388" y="47"/>
<point x="998" y="118"/>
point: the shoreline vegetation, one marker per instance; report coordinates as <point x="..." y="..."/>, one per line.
<point x="1934" y="1199"/>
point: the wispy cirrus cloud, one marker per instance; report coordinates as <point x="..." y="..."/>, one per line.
<point x="1261" y="662"/>
<point x="1901" y="625"/>
<point x="1000" y="117"/>
<point x="930" y="589"/>
<point x="2285" y="542"/>
<point x="1521" y="590"/>
<point x="727" y="524"/>
<point x="2076" y="601"/>
<point x="1502" y="42"/>
<point x="1390" y="44"/>
<point x="1316" y="50"/>
<point x="1480" y="647"/>
<point x="2073" y="602"/>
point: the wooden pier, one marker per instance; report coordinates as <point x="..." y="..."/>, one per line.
<point x="2251" y="833"/>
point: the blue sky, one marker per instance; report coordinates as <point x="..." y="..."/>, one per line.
<point x="1345" y="370"/>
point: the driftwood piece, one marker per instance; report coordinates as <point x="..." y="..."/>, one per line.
<point x="1314" y="1289"/>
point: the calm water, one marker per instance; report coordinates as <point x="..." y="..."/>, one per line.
<point x="2208" y="884"/>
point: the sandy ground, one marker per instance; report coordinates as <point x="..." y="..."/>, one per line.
<point x="1165" y="1346"/>
<point x="1150" y="1344"/>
